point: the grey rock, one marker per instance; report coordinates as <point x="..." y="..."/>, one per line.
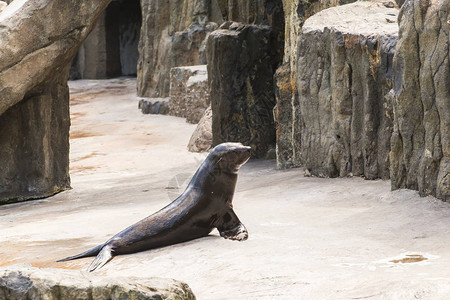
<point x="288" y="136"/>
<point x="26" y="282"/>
<point x="344" y="71"/>
<point x="201" y="139"/>
<point x="154" y="106"/>
<point x="241" y="65"/>
<point x="295" y="14"/>
<point x="34" y="116"/>
<point x="174" y="34"/>
<point x="189" y="92"/>
<point x="420" y="156"/>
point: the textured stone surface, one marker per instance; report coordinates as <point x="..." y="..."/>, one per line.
<point x="201" y="139"/>
<point x="295" y="14"/>
<point x="189" y="92"/>
<point x="25" y="282"/>
<point x="154" y="106"/>
<point x="2" y="5"/>
<point x="240" y="74"/>
<point x="285" y="117"/>
<point x="421" y="141"/>
<point x="344" y="71"/>
<point x="34" y="145"/>
<point x="174" y="34"/>
<point x="34" y="115"/>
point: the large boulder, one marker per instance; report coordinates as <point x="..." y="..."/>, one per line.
<point x="25" y="282"/>
<point x="241" y="65"/>
<point x="344" y="71"/>
<point x="295" y="14"/>
<point x="201" y="139"/>
<point x="34" y="98"/>
<point x="420" y="156"/>
<point x="189" y="92"/>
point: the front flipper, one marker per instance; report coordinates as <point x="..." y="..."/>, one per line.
<point x="102" y="258"/>
<point x="238" y="233"/>
<point x="231" y="228"/>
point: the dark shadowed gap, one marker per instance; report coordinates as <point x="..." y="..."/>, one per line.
<point x="111" y="49"/>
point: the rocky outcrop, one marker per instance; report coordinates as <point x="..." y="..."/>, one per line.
<point x="25" y="282"/>
<point x="201" y="139"/>
<point x="189" y="92"/>
<point x="344" y="72"/>
<point x="174" y="34"/>
<point x="240" y="74"/>
<point x="420" y="156"/>
<point x="34" y="115"/>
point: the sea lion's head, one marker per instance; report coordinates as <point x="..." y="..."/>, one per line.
<point x="229" y="157"/>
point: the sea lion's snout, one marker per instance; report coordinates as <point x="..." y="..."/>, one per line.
<point x="231" y="156"/>
<point x="240" y="155"/>
<point x="243" y="154"/>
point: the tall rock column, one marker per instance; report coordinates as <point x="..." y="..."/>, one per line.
<point x="240" y="75"/>
<point x="35" y="53"/>
<point x="288" y="139"/>
<point x="420" y="156"/>
<point x="344" y="71"/>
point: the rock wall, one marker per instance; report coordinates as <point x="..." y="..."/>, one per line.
<point x="240" y="75"/>
<point x="420" y="157"/>
<point x="34" y="145"/>
<point x="34" y="115"/>
<point x="344" y="71"/>
<point x="295" y="14"/>
<point x="25" y="282"/>
<point x="174" y="34"/>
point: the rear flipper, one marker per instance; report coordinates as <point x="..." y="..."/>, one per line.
<point x="92" y="252"/>
<point x="232" y="228"/>
<point x="102" y="258"/>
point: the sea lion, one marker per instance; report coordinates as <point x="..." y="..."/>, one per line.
<point x="203" y="206"/>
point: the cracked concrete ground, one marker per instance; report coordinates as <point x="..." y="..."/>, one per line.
<point x="309" y="238"/>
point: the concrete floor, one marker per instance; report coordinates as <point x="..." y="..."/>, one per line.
<point x="309" y="238"/>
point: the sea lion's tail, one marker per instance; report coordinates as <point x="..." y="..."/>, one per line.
<point x="93" y="252"/>
<point x="102" y="258"/>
